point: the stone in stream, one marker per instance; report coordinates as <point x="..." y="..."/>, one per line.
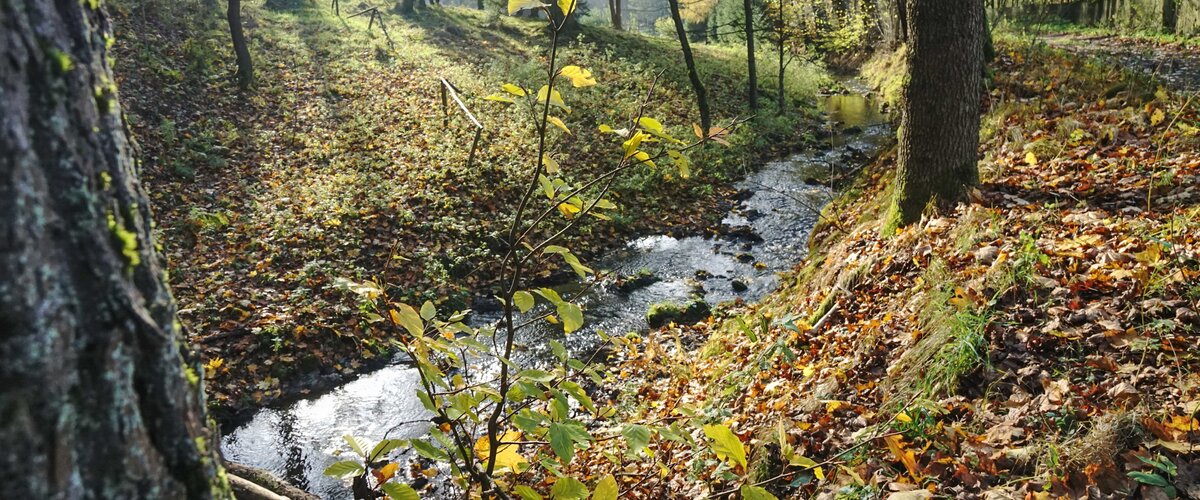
<point x="669" y="312"/>
<point x="739" y="285"/>
<point x="640" y="279"/>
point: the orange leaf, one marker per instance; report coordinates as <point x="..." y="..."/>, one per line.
<point x="383" y="474"/>
<point x="895" y="444"/>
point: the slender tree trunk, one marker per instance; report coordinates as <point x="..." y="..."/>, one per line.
<point x="614" y="13"/>
<point x="693" y="75"/>
<point x="99" y="396"/>
<point x="782" y="94"/>
<point x="989" y="46"/>
<point x="939" y="134"/>
<point x="780" y="28"/>
<point x="752" y="72"/>
<point x="245" y="69"/>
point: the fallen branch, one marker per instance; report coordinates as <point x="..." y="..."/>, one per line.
<point x="260" y="484"/>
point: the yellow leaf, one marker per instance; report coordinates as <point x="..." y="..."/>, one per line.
<point x="1157" y="117"/>
<point x="500" y="98"/>
<point x="409" y="319"/>
<point x="567" y="7"/>
<point x="513" y="89"/>
<point x="903" y="417"/>
<point x="507" y="457"/>
<point x="387" y="472"/>
<point x="681" y="162"/>
<point x="832" y="406"/>
<point x="819" y="473"/>
<point x="554" y="120"/>
<point x="213" y="365"/>
<point x="644" y="158"/>
<point x="651" y="125"/>
<point x="568" y="210"/>
<point x="632" y="144"/>
<point x="554" y="96"/>
<point x="515" y="6"/>
<point x="1031" y="159"/>
<point x="726" y="445"/>
<point x="579" y="77"/>
<point x="606" y="489"/>
<point x="551" y="165"/>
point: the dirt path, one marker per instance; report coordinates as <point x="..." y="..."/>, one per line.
<point x="1177" y="67"/>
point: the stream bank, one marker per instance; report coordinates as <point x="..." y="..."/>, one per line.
<point x="765" y="233"/>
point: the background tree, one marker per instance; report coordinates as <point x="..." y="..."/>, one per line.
<point x="751" y="71"/>
<point x="940" y="105"/>
<point x="245" y="71"/>
<point x="693" y="74"/>
<point x="99" y="396"/>
<point x="614" y="13"/>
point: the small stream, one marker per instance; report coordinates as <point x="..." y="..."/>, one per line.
<point x="765" y="233"/>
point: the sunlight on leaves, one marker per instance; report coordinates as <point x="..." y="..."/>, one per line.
<point x="507" y="456"/>
<point x="515" y="6"/>
<point x="579" y="77"/>
<point x="726" y="444"/>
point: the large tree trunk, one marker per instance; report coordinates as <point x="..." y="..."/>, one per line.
<point x="406" y="7"/>
<point x="693" y="74"/>
<point x="99" y="397"/>
<point x="940" y="104"/>
<point x="752" y="72"/>
<point x="245" y="69"/>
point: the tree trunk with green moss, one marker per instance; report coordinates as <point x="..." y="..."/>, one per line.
<point x="940" y="105"/>
<point x="99" y="397"/>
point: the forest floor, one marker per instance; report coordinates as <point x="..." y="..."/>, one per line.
<point x="1175" y="63"/>
<point x="1039" y="341"/>
<point x="337" y="166"/>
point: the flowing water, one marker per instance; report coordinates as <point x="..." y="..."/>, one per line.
<point x="765" y="233"/>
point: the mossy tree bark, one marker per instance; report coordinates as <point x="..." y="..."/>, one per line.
<point x="99" y="397"/>
<point x="940" y="105"/>
<point x="693" y="74"/>
<point x="245" y="69"/>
